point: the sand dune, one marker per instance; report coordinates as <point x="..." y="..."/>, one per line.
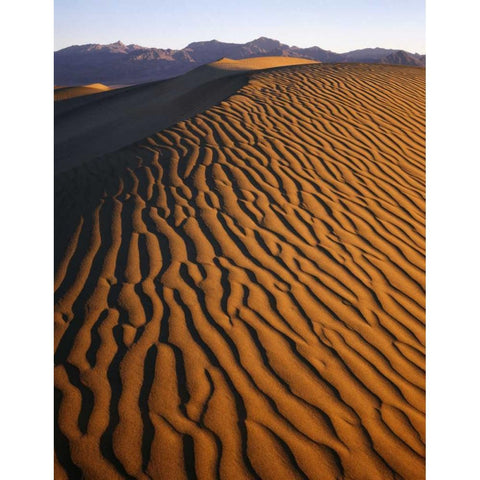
<point x="258" y="63"/>
<point x="65" y="93"/>
<point x="120" y="118"/>
<point x="241" y="295"/>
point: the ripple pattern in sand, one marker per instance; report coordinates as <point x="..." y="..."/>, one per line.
<point x="241" y="296"/>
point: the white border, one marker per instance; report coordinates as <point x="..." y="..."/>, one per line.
<point x="26" y="222"/>
<point x="453" y="241"/>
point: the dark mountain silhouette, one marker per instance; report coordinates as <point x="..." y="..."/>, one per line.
<point x="119" y="64"/>
<point x="404" y="58"/>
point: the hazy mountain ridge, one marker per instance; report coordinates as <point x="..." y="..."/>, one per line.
<point x="117" y="63"/>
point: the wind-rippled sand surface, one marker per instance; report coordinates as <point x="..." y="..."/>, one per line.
<point x="241" y="296"/>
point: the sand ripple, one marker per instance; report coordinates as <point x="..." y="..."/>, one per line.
<point x="241" y="296"/>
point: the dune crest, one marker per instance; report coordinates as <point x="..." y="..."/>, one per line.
<point x="86" y="129"/>
<point x="259" y="63"/>
<point x="241" y="295"/>
<point x="66" y="93"/>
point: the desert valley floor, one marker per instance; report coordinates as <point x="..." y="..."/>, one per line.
<point x="240" y="295"/>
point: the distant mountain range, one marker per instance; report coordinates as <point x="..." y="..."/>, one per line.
<point x="119" y="64"/>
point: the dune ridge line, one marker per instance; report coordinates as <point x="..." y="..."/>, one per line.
<point x="93" y="125"/>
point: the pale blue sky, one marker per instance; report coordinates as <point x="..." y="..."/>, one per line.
<point x="338" y="25"/>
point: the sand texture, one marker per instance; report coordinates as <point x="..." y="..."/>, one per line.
<point x="241" y="295"/>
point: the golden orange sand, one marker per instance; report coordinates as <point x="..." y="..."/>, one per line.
<point x="64" y="93"/>
<point x="258" y="63"/>
<point x="241" y="295"/>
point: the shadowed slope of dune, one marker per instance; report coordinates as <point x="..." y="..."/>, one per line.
<point x="89" y="127"/>
<point x="242" y="295"/>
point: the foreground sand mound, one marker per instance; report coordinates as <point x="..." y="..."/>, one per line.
<point x="85" y="129"/>
<point x="241" y="296"/>
<point x="65" y="93"/>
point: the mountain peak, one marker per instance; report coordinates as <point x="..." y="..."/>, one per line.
<point x="262" y="38"/>
<point x="264" y="42"/>
<point x="205" y="43"/>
